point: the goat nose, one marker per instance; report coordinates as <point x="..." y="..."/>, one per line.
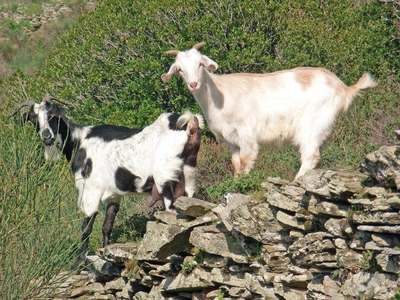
<point x="193" y="84"/>
<point x="46" y="134"/>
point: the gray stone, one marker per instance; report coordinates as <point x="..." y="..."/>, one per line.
<point x="198" y="279"/>
<point x="287" y="197"/>
<point x="293" y="280"/>
<point x="172" y="218"/>
<point x="93" y="288"/>
<point x="387" y="218"/>
<point x="193" y="207"/>
<point x="312" y="249"/>
<point x="143" y="296"/>
<point x="394" y="201"/>
<point x="290" y="220"/>
<point x="231" y="202"/>
<point x="384" y="166"/>
<point x="118" y="253"/>
<point x="380" y="204"/>
<point x="349" y="259"/>
<point x="330" y="184"/>
<point x="227" y="278"/>
<point x="332" y="209"/>
<point x="162" y="240"/>
<point x="374" y="286"/>
<point x="380" y="229"/>
<point x="102" y="269"/>
<point x="386" y="240"/>
<point x="216" y="239"/>
<point x="301" y="242"/>
<point x="388" y="263"/>
<point x="276" y="261"/>
<point x="115" y="285"/>
<point x="337" y="227"/>
<point x="259" y="222"/>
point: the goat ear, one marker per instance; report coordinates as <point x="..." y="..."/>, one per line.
<point x="172" y="71"/>
<point x="209" y="63"/>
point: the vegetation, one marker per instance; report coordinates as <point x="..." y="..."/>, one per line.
<point x="107" y="65"/>
<point x="40" y="223"/>
<point x="37" y="234"/>
<point x="23" y="44"/>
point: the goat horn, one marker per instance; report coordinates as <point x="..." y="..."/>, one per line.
<point x="172" y="52"/>
<point x="48" y="98"/>
<point x="26" y="103"/>
<point x="199" y="45"/>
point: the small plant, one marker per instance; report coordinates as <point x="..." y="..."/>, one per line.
<point x="368" y="262"/>
<point x="187" y="267"/>
<point x="220" y="296"/>
<point x="335" y="274"/>
<point x="256" y="252"/>
<point x="132" y="267"/>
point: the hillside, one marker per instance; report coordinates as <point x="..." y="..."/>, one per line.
<point x="106" y="65"/>
<point x="29" y="29"/>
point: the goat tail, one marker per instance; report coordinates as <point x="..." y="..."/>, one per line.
<point x="190" y="119"/>
<point x="365" y="83"/>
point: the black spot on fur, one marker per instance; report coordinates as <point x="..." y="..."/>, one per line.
<point x="125" y="180"/>
<point x="54" y="110"/>
<point x="79" y="160"/>
<point x="87" y="169"/>
<point x="173" y="118"/>
<point x="112" y="132"/>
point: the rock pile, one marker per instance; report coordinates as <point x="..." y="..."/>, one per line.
<point x="333" y="235"/>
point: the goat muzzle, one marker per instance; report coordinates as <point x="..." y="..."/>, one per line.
<point x="48" y="138"/>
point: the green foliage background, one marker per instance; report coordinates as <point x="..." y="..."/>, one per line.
<point x="109" y="65"/>
<point x="108" y="68"/>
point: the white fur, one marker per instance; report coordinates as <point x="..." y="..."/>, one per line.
<point x="153" y="152"/>
<point x="298" y="107"/>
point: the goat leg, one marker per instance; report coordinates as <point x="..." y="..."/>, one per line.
<point x="87" y="227"/>
<point x="167" y="194"/>
<point x="112" y="210"/>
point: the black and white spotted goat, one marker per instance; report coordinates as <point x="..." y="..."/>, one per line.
<point x="110" y="161"/>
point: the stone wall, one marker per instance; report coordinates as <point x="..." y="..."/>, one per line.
<point x="333" y="235"/>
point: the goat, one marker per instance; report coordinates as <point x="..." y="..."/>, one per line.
<point x="110" y="161"/>
<point x="298" y="107"/>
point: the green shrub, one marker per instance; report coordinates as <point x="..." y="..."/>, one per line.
<point x="38" y="231"/>
<point x="109" y="65"/>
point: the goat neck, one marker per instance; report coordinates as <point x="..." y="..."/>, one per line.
<point x="70" y="134"/>
<point x="209" y="96"/>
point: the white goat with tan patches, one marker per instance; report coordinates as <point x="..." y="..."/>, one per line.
<point x="299" y="107"/>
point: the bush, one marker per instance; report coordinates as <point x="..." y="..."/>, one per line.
<point x="37" y="222"/>
<point x="108" y="67"/>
